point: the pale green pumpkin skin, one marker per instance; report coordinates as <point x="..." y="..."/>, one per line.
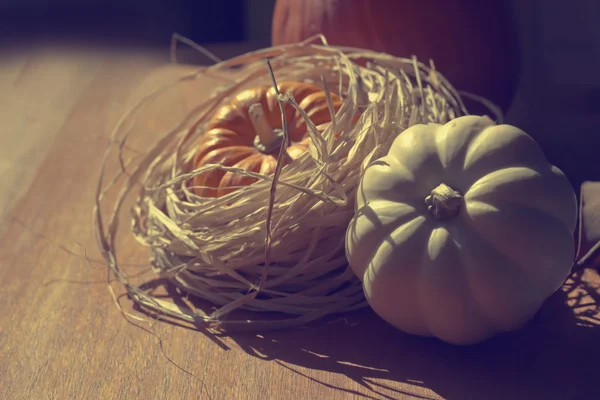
<point x="489" y="268"/>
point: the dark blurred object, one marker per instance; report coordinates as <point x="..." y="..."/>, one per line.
<point x="122" y="22"/>
<point x="473" y="43"/>
<point x="589" y="224"/>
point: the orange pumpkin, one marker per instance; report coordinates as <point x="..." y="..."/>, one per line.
<point x="474" y="44"/>
<point x="247" y="134"/>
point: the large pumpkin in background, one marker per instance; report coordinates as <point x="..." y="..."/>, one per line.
<point x="473" y="43"/>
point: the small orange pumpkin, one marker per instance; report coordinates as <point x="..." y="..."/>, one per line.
<point x="247" y="134"/>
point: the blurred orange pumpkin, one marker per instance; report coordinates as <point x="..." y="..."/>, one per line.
<point x="473" y="43"/>
<point x="247" y="133"/>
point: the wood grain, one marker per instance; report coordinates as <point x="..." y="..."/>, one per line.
<point x="30" y="120"/>
<point x="62" y="337"/>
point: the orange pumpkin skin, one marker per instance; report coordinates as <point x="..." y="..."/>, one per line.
<point x="229" y="139"/>
<point x="473" y="43"/>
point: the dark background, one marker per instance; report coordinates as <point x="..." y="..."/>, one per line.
<point x="139" y="22"/>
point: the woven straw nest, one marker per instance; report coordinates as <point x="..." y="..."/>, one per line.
<point x="278" y="244"/>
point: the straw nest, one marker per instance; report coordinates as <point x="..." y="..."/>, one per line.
<point x="276" y="246"/>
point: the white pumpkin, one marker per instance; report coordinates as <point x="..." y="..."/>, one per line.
<point x="462" y="230"/>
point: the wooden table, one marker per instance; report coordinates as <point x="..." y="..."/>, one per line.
<point x="62" y="337"/>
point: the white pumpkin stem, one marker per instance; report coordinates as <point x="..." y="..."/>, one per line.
<point x="267" y="138"/>
<point x="444" y="202"/>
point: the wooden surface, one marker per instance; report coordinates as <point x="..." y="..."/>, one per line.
<point x="62" y="337"/>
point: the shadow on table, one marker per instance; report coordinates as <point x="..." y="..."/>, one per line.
<point x="552" y="357"/>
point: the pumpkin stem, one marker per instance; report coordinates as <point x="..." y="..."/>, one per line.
<point x="444" y="202"/>
<point x="267" y="139"/>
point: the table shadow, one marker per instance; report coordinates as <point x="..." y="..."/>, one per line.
<point x="551" y="357"/>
